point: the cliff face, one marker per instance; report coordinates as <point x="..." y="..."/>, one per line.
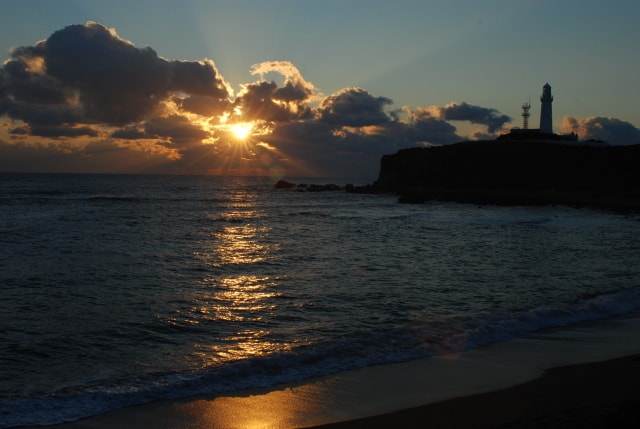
<point x="517" y="168"/>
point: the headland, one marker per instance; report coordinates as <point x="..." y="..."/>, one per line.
<point x="516" y="172"/>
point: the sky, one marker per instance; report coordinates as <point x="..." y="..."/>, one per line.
<point x="287" y="88"/>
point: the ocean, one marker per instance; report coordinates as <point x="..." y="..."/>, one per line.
<point x="124" y="289"/>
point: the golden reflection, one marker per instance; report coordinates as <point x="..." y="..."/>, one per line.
<point x="301" y="405"/>
<point x="242" y="298"/>
<point x="242" y="345"/>
<point x="240" y="245"/>
<point x="236" y="299"/>
<point x="237" y="236"/>
<point x="235" y="292"/>
<point x="247" y="302"/>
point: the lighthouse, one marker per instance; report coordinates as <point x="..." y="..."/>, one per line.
<point x="545" y="132"/>
<point x="546" y="123"/>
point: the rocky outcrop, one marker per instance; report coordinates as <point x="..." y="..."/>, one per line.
<point x="283" y="184"/>
<point x="516" y="172"/>
<point x="303" y="187"/>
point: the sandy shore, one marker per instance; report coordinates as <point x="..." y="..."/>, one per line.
<point x="595" y="395"/>
<point x="594" y="382"/>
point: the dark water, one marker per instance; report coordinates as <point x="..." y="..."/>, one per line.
<point x="118" y="290"/>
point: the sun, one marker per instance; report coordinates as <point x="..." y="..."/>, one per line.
<point x="241" y="130"/>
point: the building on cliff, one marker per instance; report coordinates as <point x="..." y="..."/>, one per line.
<point x="546" y="123"/>
<point x="545" y="132"/>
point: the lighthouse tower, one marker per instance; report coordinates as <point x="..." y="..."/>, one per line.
<point x="546" y="123"/>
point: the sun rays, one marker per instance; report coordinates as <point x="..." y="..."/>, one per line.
<point x="241" y="130"/>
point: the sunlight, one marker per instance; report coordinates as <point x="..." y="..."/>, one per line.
<point x="241" y="130"/>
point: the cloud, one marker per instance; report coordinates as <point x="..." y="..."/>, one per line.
<point x="85" y="99"/>
<point x="354" y="107"/>
<point x="267" y="101"/>
<point x="295" y="88"/>
<point x="357" y="134"/>
<point x="61" y="131"/>
<point x="259" y="101"/>
<point x="61" y="157"/>
<point x="203" y="105"/>
<point x="106" y="77"/>
<point x="84" y="82"/>
<point x="178" y="129"/>
<point x="611" y="130"/>
<point x="27" y="86"/>
<point x="493" y="119"/>
<point x="37" y="114"/>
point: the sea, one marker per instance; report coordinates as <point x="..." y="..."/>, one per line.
<point x="118" y="290"/>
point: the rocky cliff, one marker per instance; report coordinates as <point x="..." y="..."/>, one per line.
<point x="516" y="172"/>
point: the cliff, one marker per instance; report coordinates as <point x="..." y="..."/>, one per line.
<point x="516" y="172"/>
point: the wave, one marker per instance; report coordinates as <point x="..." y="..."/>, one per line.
<point x="310" y="361"/>
<point x="25" y="197"/>
<point x="117" y="198"/>
<point x="236" y="217"/>
<point x="507" y="326"/>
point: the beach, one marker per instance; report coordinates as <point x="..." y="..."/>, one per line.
<point x="157" y="301"/>
<point x="585" y="375"/>
<point x="595" y="395"/>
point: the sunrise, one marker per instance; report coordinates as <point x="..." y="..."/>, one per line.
<point x="337" y="214"/>
<point x="90" y="82"/>
<point x="241" y="130"/>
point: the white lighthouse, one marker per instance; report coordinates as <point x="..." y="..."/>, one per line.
<point x="545" y="132"/>
<point x="546" y="123"/>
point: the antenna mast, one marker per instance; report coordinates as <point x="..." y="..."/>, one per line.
<point x="525" y="115"/>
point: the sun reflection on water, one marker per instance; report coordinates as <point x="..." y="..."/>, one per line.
<point x="242" y="298"/>
<point x="235" y="291"/>
<point x="239" y="244"/>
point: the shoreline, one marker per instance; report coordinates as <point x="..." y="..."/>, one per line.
<point x="506" y="376"/>
<point x="613" y="203"/>
<point x="603" y="394"/>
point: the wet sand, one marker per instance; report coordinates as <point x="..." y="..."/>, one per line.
<point x="595" y="395"/>
<point x="594" y="382"/>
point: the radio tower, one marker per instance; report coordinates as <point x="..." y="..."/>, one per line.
<point x="525" y="115"/>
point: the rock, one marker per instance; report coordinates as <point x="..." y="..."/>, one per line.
<point x="516" y="173"/>
<point x="323" y="188"/>
<point x="303" y="187"/>
<point x="283" y="184"/>
<point x="366" y="189"/>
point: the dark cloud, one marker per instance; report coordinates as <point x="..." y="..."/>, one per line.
<point x="354" y="107"/>
<point x="95" y="157"/>
<point x="203" y="105"/>
<point x="55" y="131"/>
<point x="41" y="114"/>
<point x="173" y="131"/>
<point x="24" y="86"/>
<point x="3" y="82"/>
<point x="433" y="131"/>
<point x="259" y="101"/>
<point x="114" y="82"/>
<point x="87" y="100"/>
<point x="611" y="130"/>
<point x="314" y="148"/>
<point x="265" y="100"/>
<point x="346" y="150"/>
<point x="197" y="78"/>
<point x="474" y="114"/>
<point x="294" y="89"/>
<point x="292" y="92"/>
<point x="178" y="129"/>
<point x="133" y="132"/>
